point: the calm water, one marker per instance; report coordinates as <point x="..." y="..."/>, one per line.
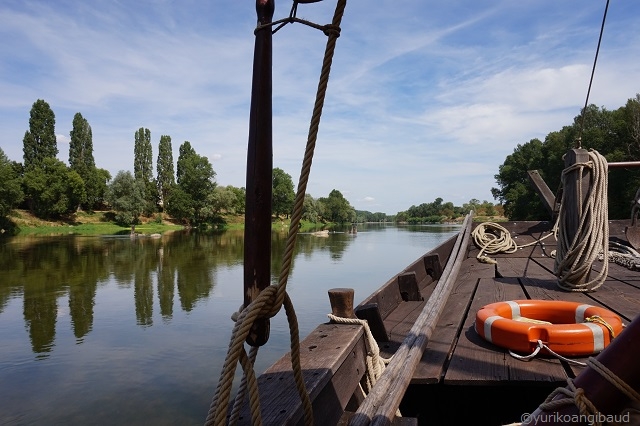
<point x="109" y="330"/>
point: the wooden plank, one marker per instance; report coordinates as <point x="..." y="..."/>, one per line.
<point x="333" y="362"/>
<point x="478" y="362"/>
<point x="546" y="195"/>
<point x="384" y="399"/>
<point x="432" y="364"/>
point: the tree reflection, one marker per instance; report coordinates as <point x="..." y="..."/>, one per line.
<point x="42" y="270"/>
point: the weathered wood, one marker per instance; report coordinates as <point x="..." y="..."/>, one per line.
<point x="433" y="266"/>
<point x="257" y="226"/>
<point x="331" y="373"/>
<point x="546" y="195"/>
<point x="397" y="421"/>
<point x="371" y="313"/>
<point x="341" y="300"/>
<point x="432" y="365"/>
<point x="408" y="287"/>
<point x="576" y="189"/>
<point x="383" y="400"/>
<point x="478" y="362"/>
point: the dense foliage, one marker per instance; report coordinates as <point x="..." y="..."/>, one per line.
<point x="126" y="196"/>
<point x="10" y="189"/>
<point x="614" y="134"/>
<point x="166" y="176"/>
<point x="39" y="141"/>
<point x="282" y="193"/>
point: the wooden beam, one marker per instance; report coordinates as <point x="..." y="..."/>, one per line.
<point x="546" y="195"/>
<point x="257" y="222"/>
<point x="381" y="404"/>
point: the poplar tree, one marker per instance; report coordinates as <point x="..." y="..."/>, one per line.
<point x="81" y="158"/>
<point x="164" y="166"/>
<point x="185" y="151"/>
<point x="39" y="141"/>
<point x="143" y="156"/>
<point x="143" y="168"/>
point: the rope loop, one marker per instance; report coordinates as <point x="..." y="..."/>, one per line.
<point x="575" y="256"/>
<point x="492" y="238"/>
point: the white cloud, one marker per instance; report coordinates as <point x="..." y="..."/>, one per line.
<point x="423" y="102"/>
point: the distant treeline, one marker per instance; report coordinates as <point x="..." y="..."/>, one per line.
<point x="187" y="192"/>
<point x="614" y="134"/>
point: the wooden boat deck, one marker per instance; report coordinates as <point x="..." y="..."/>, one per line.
<point x="461" y="377"/>
<point x="459" y="366"/>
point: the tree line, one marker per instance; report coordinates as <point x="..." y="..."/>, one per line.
<point x="187" y="193"/>
<point x="614" y="134"/>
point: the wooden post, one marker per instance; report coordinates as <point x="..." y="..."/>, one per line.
<point x="341" y="300"/>
<point x="432" y="266"/>
<point x="257" y="231"/>
<point x="371" y="313"/>
<point x="408" y="286"/>
<point x="576" y="188"/>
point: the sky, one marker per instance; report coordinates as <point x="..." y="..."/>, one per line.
<point x="425" y="100"/>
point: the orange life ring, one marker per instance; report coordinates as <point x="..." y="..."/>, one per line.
<point x="570" y="328"/>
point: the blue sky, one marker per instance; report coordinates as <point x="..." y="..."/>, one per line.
<point x="425" y="100"/>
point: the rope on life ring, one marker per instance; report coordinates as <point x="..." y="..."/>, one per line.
<point x="557" y="327"/>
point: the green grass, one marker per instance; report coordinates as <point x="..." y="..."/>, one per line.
<point x="96" y="229"/>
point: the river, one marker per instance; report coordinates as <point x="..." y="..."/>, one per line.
<point x="112" y="330"/>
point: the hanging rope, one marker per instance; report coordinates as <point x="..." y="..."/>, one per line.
<point x="593" y="70"/>
<point x="272" y="298"/>
<point x="574" y="258"/>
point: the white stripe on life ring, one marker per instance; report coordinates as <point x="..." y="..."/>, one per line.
<point x="598" y="336"/>
<point x="515" y="309"/>
<point x="487" y="326"/>
<point x="580" y="310"/>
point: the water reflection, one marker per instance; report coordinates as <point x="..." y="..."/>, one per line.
<point x="44" y="271"/>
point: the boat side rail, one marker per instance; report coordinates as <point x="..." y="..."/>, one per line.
<point x="380" y="406"/>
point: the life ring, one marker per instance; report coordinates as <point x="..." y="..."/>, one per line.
<point x="567" y="328"/>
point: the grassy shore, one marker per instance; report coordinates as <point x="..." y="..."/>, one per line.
<point x="85" y="223"/>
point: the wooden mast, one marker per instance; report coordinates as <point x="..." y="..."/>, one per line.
<point x="257" y="231"/>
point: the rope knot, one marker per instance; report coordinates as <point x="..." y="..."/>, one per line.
<point x="597" y="319"/>
<point x="331" y="29"/>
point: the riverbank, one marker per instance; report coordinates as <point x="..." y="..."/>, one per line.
<point x="86" y="223"/>
<point x="22" y="222"/>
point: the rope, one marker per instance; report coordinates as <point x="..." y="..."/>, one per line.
<point x="492" y="238"/>
<point x="576" y="396"/>
<point x="537" y="350"/>
<point x="375" y="363"/>
<point x="593" y="70"/>
<point x="272" y="298"/>
<point x="574" y="258"/>
<point x="597" y="319"/>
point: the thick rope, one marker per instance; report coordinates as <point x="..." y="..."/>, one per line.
<point x="375" y="363"/>
<point x="574" y="258"/>
<point x="270" y="300"/>
<point x="576" y="396"/>
<point x="492" y="238"/>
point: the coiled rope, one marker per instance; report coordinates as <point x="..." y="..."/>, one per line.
<point x="272" y="298"/>
<point x="492" y="238"/>
<point x="574" y="257"/>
